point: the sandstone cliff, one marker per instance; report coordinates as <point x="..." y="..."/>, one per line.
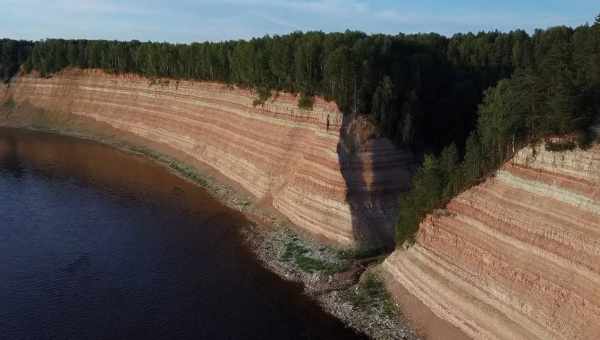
<point x="281" y="154"/>
<point x="517" y="257"/>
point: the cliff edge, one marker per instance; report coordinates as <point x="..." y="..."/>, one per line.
<point x="288" y="157"/>
<point x="517" y="257"/>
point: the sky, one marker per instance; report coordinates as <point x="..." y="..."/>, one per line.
<point x="201" y="20"/>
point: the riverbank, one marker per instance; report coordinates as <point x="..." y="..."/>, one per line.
<point x="343" y="282"/>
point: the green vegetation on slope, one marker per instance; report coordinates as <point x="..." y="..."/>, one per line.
<point x="422" y="89"/>
<point x="371" y="294"/>
<point x="300" y="255"/>
<point x="559" y="95"/>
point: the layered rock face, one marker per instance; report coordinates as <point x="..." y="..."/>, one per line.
<point x="517" y="257"/>
<point x="276" y="151"/>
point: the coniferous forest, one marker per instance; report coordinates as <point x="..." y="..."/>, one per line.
<point x="464" y="102"/>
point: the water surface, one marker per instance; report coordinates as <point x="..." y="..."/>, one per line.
<point x="99" y="244"/>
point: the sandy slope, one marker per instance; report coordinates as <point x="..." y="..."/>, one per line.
<point x="517" y="257"/>
<point x="288" y="157"/>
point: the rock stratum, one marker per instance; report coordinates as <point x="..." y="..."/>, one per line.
<point x="516" y="257"/>
<point x="293" y="158"/>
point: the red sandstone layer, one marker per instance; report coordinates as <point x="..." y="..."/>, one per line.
<point x="517" y="257"/>
<point x="275" y="151"/>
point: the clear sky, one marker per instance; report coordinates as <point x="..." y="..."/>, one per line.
<point x="200" y="20"/>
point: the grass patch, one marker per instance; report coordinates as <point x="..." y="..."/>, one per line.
<point x="306" y="102"/>
<point x="371" y="294"/>
<point x="301" y="256"/>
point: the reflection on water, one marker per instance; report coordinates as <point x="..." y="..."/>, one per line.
<point x="99" y="244"/>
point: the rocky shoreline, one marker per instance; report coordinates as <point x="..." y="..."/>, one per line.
<point x="345" y="285"/>
<point x="344" y="282"/>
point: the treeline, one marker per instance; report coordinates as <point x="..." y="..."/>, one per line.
<point x="423" y="89"/>
<point x="556" y="95"/>
<point x="13" y="54"/>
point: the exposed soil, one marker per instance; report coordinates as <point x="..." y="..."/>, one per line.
<point x="425" y="324"/>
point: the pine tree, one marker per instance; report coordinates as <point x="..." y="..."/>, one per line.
<point x="449" y="170"/>
<point x="473" y="164"/>
<point x="382" y="102"/>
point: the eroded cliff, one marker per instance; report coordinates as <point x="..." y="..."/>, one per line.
<point x="517" y="257"/>
<point x="281" y="154"/>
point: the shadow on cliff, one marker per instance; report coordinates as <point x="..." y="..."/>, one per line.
<point x="376" y="174"/>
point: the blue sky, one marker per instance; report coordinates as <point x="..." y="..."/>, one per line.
<point x="200" y="20"/>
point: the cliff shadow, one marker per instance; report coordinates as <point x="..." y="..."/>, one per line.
<point x="376" y="174"/>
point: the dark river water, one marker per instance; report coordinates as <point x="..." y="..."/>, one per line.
<point x="99" y="244"/>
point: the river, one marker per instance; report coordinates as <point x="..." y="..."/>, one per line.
<point x="97" y="243"/>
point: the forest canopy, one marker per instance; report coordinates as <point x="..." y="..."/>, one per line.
<point x="556" y="92"/>
<point x="422" y="89"/>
